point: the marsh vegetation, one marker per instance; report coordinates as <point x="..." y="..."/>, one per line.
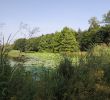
<point x="66" y="65"/>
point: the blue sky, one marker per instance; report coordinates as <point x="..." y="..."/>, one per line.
<point x="50" y="15"/>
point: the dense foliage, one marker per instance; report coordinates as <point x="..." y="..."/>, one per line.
<point x="63" y="41"/>
<point x="67" y="40"/>
<point x="88" y="79"/>
<point x="20" y="44"/>
<point x="5" y="75"/>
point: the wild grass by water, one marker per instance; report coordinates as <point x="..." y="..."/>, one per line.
<point x="52" y="60"/>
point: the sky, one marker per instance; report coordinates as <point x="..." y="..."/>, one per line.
<point x="49" y="15"/>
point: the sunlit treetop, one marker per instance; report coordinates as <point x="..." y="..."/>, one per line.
<point x="106" y="17"/>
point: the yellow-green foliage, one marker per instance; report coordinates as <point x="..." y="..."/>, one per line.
<point x="15" y="53"/>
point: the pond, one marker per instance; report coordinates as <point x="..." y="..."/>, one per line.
<point x="34" y="63"/>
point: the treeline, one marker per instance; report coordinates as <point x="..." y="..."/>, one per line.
<point x="56" y="42"/>
<point x="69" y="40"/>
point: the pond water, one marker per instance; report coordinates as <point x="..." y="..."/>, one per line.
<point x="36" y="67"/>
<point x="36" y="63"/>
<point x="32" y="62"/>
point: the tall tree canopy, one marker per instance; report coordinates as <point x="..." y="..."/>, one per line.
<point x="68" y="40"/>
<point x="106" y="17"/>
<point x="20" y="44"/>
<point x="94" y="23"/>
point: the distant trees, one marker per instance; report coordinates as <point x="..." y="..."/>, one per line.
<point x="106" y="18"/>
<point x="58" y="42"/>
<point x="88" y="38"/>
<point x="46" y="43"/>
<point x="20" y="44"/>
<point x="104" y="34"/>
<point x="85" y="40"/>
<point x="94" y="23"/>
<point x="68" y="40"/>
<point x="32" y="44"/>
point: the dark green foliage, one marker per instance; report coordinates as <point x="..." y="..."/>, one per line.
<point x="55" y="84"/>
<point x="88" y="80"/>
<point x="22" y="85"/>
<point x="94" y="36"/>
<point x="65" y="72"/>
<point x="15" y="82"/>
<point x="64" y="41"/>
<point x="89" y="38"/>
<point x="66" y="69"/>
<point x="47" y="43"/>
<point x="5" y="74"/>
<point x="104" y="34"/>
<point x="85" y="41"/>
<point x="32" y="44"/>
<point x="20" y="44"/>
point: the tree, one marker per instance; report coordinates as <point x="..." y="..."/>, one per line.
<point x="104" y="34"/>
<point x="79" y="34"/>
<point x="57" y="41"/>
<point x="85" y="41"/>
<point x="88" y="38"/>
<point x="44" y="43"/>
<point x="32" y="44"/>
<point x="48" y="43"/>
<point x="20" y="44"/>
<point x="106" y="18"/>
<point x="63" y="41"/>
<point x="67" y="40"/>
<point x="94" y="23"/>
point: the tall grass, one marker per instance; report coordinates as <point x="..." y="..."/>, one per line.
<point x="5" y="73"/>
<point x="89" y="79"/>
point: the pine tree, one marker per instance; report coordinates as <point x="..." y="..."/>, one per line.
<point x="67" y="40"/>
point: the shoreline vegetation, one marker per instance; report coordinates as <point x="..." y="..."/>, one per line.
<point x="65" y="65"/>
<point x="85" y="80"/>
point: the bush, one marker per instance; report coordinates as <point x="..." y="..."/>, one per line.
<point x="20" y="44"/>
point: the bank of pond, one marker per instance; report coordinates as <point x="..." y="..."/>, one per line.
<point x="48" y="76"/>
<point x="51" y="60"/>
